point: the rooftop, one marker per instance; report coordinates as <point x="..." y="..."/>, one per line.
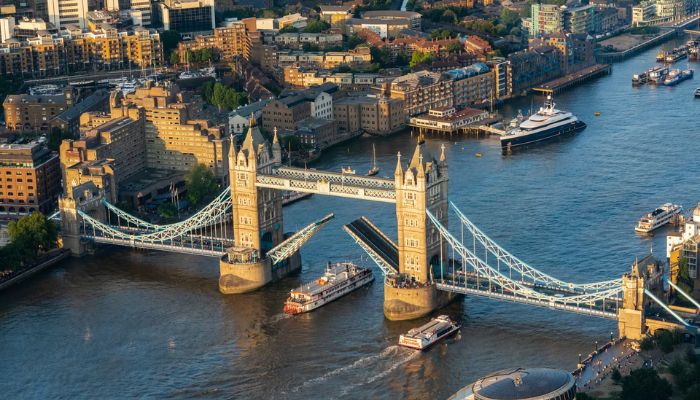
<point x="522" y="383"/>
<point x="390" y="13"/>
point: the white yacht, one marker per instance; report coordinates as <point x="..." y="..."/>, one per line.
<point x="425" y="336"/>
<point x="657" y="218"/>
<point x="545" y="124"/>
<point x="338" y="280"/>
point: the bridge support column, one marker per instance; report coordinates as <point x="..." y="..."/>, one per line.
<point x="242" y="277"/>
<point x="405" y="303"/>
<point x="70" y="226"/>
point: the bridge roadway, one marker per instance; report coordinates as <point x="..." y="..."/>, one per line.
<point x="188" y="244"/>
<point x="329" y="183"/>
<point x="482" y="288"/>
<point x="364" y="231"/>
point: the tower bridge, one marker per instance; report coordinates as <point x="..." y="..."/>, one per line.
<point x="425" y="268"/>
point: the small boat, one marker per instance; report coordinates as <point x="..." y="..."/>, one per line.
<point x="673" y="78"/>
<point x="657" y="75"/>
<point x="658" y="218"/>
<point x="597" y="113"/>
<point x="697" y="93"/>
<point x="347" y="171"/>
<point x="338" y="280"/>
<point x="375" y="168"/>
<point x="425" y="336"/>
<point x="660" y="56"/>
<point x="478" y="154"/>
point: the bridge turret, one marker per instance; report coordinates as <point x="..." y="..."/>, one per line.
<point x="276" y="149"/>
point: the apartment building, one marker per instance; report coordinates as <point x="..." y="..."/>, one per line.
<point x="298" y="40"/>
<point x="30" y="179"/>
<point x="335" y="15"/>
<point x="68" y="12"/>
<point x="27" y="113"/>
<point x="423" y="90"/>
<point x="373" y="114"/>
<point x="188" y="16"/>
<point x="230" y="42"/>
<point x="473" y="84"/>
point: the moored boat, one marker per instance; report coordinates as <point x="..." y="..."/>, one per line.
<point x="697" y="93"/>
<point x="658" y="218"/>
<point x="374" y="170"/>
<point x="547" y="123"/>
<point x="338" y="280"/>
<point x="658" y="75"/>
<point x="426" y="335"/>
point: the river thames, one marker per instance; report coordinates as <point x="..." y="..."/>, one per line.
<point x="129" y="323"/>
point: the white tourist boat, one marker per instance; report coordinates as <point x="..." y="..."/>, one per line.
<point x="425" y="336"/>
<point x="338" y="280"/>
<point x="545" y="124"/>
<point x="658" y="218"/>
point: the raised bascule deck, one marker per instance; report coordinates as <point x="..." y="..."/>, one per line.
<point x="425" y="268"/>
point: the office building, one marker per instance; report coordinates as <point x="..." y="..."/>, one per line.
<point x="188" y="16"/>
<point x="68" y="12"/>
<point x="30" y="179"/>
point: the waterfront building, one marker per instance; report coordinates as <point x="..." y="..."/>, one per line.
<point x="420" y="91"/>
<point x="531" y="67"/>
<point x="335" y="15"/>
<point x="448" y="119"/>
<point x="503" y="77"/>
<point x="377" y="115"/>
<point x="472" y="84"/>
<point x="69" y="119"/>
<point x="285" y="113"/>
<point x="229" y="42"/>
<point x="188" y="16"/>
<point x="521" y="383"/>
<point x="643" y="12"/>
<point x="30" y="179"/>
<point x="68" y="12"/>
<point x="73" y="50"/>
<point x="27" y="113"/>
<point x="684" y="247"/>
<point x="317" y="133"/>
<point x="576" y="50"/>
<point x="298" y="76"/>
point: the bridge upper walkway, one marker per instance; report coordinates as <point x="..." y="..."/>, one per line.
<point x="329" y="183"/>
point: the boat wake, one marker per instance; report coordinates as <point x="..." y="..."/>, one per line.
<point x="365" y="370"/>
<point x="368" y="369"/>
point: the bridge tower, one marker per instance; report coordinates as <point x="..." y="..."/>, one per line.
<point x="257" y="217"/>
<point x="85" y="197"/>
<point x="422" y="186"/>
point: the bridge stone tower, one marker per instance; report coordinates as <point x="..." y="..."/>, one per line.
<point x="422" y="186"/>
<point x="85" y="197"/>
<point x="257" y="217"/>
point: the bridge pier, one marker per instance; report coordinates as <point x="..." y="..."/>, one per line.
<point x="238" y="275"/>
<point x="405" y="303"/>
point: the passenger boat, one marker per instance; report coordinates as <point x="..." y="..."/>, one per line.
<point x="425" y="336"/>
<point x="658" y="218"/>
<point x="545" y="124"/>
<point x="338" y="280"/>
<point x="375" y="168"/>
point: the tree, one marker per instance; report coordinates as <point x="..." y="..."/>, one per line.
<point x="616" y="375"/>
<point x="170" y="40"/>
<point x="32" y="233"/>
<point x="316" y="26"/>
<point x="454" y="48"/>
<point x="645" y="383"/>
<point x="419" y="57"/>
<point x="354" y="40"/>
<point x="289" y="29"/>
<point x="201" y="184"/>
<point x="508" y="17"/>
<point x="167" y="210"/>
<point x="664" y="339"/>
<point x="56" y="136"/>
<point x="174" y="58"/>
<point x="693" y="392"/>
<point x="646" y="344"/>
<point x="449" y="16"/>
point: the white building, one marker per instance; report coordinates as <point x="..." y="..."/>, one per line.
<point x="239" y="119"/>
<point x="7" y="28"/>
<point x="689" y="231"/>
<point x="322" y="106"/>
<point x="143" y="10"/>
<point x="66" y="12"/>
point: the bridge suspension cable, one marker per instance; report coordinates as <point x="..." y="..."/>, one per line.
<point x="525" y="270"/>
<point x="517" y="290"/>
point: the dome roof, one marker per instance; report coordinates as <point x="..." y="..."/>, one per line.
<point x="523" y="383"/>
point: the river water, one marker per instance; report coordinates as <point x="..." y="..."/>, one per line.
<point x="129" y="323"/>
